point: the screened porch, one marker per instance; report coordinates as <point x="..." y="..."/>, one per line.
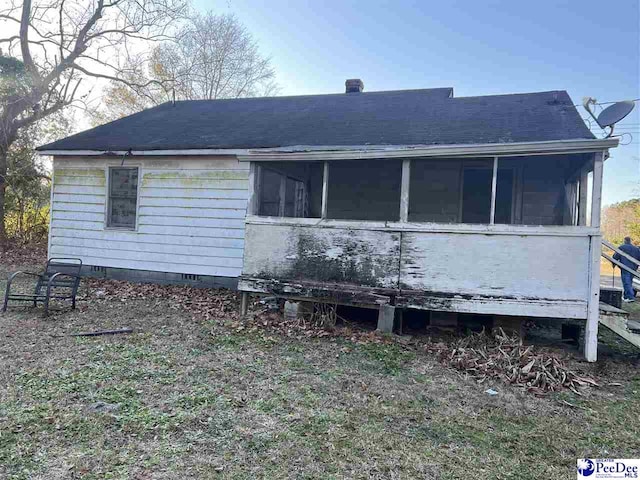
<point x="503" y="235"/>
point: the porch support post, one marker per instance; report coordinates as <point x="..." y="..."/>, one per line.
<point x="282" y="195"/>
<point x="595" y="249"/>
<point x="244" y="303"/>
<point x="386" y="315"/>
<point x="254" y="185"/>
<point x="494" y="186"/>
<point x="404" y="190"/>
<point x="596" y="196"/>
<point x="325" y="189"/>
<point x="582" y="202"/>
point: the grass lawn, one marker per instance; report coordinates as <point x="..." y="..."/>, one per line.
<point x="186" y="397"/>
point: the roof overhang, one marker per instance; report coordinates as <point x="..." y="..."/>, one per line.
<point x="477" y="150"/>
<point x="143" y="153"/>
<point x="357" y="152"/>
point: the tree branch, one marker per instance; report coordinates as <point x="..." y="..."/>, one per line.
<point x="24" y="40"/>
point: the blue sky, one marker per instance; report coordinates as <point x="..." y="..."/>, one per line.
<point x="477" y="47"/>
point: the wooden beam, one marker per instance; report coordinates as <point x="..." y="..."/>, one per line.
<point x="596" y="196"/>
<point x="282" y="195"/>
<point x="582" y="202"/>
<point x="404" y="190"/>
<point x="494" y="187"/>
<point x="252" y="204"/>
<point x="386" y="316"/>
<point x="460" y="191"/>
<point x="621" y="253"/>
<point x="593" y="301"/>
<point x="462" y="228"/>
<point x="325" y="189"/>
<point x="621" y="265"/>
<point x="244" y="303"/>
<point x="595" y="250"/>
<point x="570" y="194"/>
<point x="380" y="152"/>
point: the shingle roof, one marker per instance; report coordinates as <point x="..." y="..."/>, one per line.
<point x="405" y="117"/>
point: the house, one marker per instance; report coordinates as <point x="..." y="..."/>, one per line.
<point x="393" y="200"/>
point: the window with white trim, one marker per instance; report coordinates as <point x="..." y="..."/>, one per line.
<point x="122" y="197"/>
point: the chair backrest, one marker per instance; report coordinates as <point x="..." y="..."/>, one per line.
<point x="72" y="266"/>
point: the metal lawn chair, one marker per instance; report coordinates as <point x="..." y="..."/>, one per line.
<point x="59" y="281"/>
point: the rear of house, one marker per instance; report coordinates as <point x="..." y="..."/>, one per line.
<point x="163" y="219"/>
<point x="390" y="200"/>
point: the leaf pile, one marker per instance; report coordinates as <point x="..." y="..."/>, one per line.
<point x="481" y="356"/>
<point x="16" y="254"/>
<point x="203" y="303"/>
<point x="505" y="358"/>
<point x="308" y="327"/>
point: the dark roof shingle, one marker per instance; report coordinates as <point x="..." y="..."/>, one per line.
<point x="405" y="117"/>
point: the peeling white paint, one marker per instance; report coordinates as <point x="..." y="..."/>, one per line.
<point x="190" y="215"/>
<point x="334" y="252"/>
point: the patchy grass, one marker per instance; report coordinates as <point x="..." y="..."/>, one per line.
<point x="189" y="398"/>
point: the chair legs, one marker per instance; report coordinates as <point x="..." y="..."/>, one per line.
<point x="6" y="300"/>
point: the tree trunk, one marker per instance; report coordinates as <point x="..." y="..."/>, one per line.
<point x="3" y="188"/>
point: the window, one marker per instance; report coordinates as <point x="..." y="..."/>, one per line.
<point x="123" y="195"/>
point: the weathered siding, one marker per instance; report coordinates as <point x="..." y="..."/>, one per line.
<point x="513" y="266"/>
<point x="338" y="255"/>
<point x="190" y="215"/>
<point x="506" y="270"/>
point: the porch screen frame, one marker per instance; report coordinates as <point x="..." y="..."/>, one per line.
<point x="254" y="205"/>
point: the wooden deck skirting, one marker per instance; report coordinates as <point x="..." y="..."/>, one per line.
<point x="414" y="262"/>
<point x="366" y="297"/>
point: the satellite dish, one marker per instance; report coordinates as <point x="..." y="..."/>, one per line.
<point x="614" y="113"/>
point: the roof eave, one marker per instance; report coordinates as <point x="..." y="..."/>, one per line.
<point x="398" y="151"/>
<point x="328" y="152"/>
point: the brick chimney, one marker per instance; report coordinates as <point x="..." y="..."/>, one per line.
<point x="354" y="85"/>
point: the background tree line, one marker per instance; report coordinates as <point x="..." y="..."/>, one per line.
<point x="58" y="58"/>
<point x="620" y="220"/>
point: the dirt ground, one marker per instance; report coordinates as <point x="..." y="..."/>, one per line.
<point x="199" y="395"/>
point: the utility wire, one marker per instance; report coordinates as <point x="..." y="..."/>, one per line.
<point x="609" y="103"/>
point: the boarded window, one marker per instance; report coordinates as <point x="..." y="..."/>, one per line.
<point x="123" y="194"/>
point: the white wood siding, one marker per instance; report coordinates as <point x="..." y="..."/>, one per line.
<point x="190" y="215"/>
<point x="499" y="269"/>
<point x="518" y="266"/>
<point x="347" y="256"/>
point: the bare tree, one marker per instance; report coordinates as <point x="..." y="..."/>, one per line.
<point x="213" y="56"/>
<point x="53" y="45"/>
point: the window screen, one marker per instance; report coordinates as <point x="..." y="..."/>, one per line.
<point x="123" y="193"/>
